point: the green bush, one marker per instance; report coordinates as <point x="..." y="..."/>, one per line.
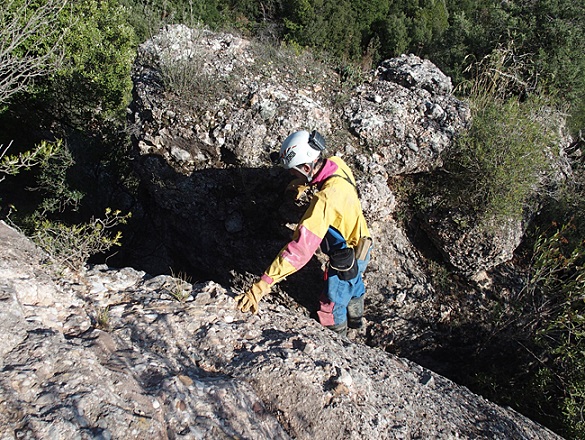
<point x="11" y="165"/>
<point x="503" y="159"/>
<point x="49" y="192"/>
<point x="72" y="245"/>
<point x="41" y="154"/>
<point x="93" y="81"/>
<point x="69" y="245"/>
<point x="53" y="185"/>
<point x="500" y="162"/>
<point x="557" y="289"/>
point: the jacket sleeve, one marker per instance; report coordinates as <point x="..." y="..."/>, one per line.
<point x="306" y="240"/>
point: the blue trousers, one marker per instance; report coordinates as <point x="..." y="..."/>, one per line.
<point x="338" y="293"/>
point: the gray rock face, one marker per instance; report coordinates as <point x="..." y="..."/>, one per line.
<point x="406" y="115"/>
<point x="119" y="354"/>
<point x="470" y="248"/>
<point x="207" y="101"/>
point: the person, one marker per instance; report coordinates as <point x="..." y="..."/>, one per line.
<point x="333" y="221"/>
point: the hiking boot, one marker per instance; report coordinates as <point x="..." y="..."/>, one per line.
<point x="355" y="312"/>
<point x="340" y="329"/>
<point x="355" y="323"/>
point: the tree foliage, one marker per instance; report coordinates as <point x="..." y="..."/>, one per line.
<point x="549" y="35"/>
<point x="94" y="78"/>
<point x="30" y="43"/>
<point x="147" y="17"/>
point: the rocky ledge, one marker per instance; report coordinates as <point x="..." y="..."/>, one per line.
<point x="118" y="354"/>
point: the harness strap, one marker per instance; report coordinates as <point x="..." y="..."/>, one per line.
<point x="345" y="177"/>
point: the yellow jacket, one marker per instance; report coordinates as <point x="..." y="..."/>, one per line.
<point x="333" y="220"/>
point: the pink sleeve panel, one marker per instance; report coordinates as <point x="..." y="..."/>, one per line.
<point x="266" y="278"/>
<point x="298" y="252"/>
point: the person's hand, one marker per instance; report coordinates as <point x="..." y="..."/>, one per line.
<point x="249" y="301"/>
<point x="296" y="188"/>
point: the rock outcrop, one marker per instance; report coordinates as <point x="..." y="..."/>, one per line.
<point x="117" y="354"/>
<point x="406" y="115"/>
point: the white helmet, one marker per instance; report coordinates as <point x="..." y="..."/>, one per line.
<point x="296" y="150"/>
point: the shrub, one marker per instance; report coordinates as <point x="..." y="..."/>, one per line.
<point x="94" y="78"/>
<point x="506" y="155"/>
<point x="501" y="160"/>
<point x="556" y="287"/>
<point x="68" y="245"/>
<point x="53" y="186"/>
<point x="72" y="245"/>
<point x="13" y="164"/>
<point x="30" y="43"/>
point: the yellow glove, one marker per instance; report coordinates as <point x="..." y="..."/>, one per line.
<point x="297" y="188"/>
<point x="250" y="299"/>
